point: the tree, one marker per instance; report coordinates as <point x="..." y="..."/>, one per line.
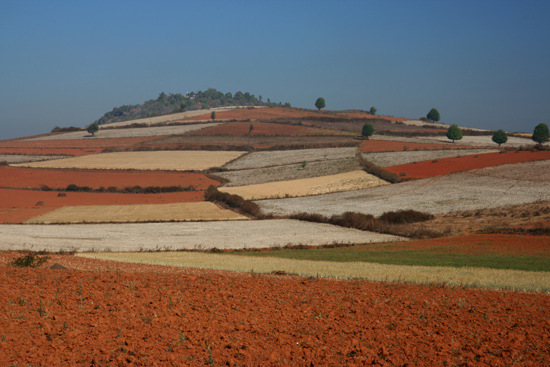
<point x="320" y="103"/>
<point x="372" y="111"/>
<point x="541" y="133"/>
<point x="93" y="128"/>
<point x="213" y="115"/>
<point x="367" y="130"/>
<point x="454" y="133"/>
<point x="433" y="115"/>
<point x="500" y="137"/>
<point x="250" y="129"/>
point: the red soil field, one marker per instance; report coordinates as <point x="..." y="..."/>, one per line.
<point x="264" y="128"/>
<point x="369" y="146"/>
<point x="272" y="113"/>
<point x="483" y="244"/>
<point x="19" y="177"/>
<point x="47" y="151"/>
<point x="445" y="166"/>
<point x="17" y="206"/>
<point x="141" y="315"/>
<point x="76" y="143"/>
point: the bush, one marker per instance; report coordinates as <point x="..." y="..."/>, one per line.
<point x="31" y="260"/>
<point x="233" y="201"/>
<point x="405" y="216"/>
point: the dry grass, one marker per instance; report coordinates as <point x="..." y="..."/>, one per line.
<point x="468" y="277"/>
<point x="157" y="160"/>
<point x="178" y="236"/>
<point x="137" y="213"/>
<point x="355" y="180"/>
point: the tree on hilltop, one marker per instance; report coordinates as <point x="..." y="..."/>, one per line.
<point x="500" y="137"/>
<point x="372" y="111"/>
<point x="368" y="130"/>
<point x="433" y="115"/>
<point x="454" y="133"/>
<point x="320" y="103"/>
<point x="541" y="133"/>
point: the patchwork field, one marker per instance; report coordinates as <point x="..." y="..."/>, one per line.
<point x="467" y="140"/>
<point x="266" y="128"/>
<point x="383" y="144"/>
<point x="20" y="177"/>
<point x="158" y="160"/>
<point x="387" y="159"/>
<point x="443" y="194"/>
<point x="355" y="180"/>
<point x="49" y="151"/>
<point x="23" y="158"/>
<point x="199" y="211"/>
<point x="180" y="236"/>
<point x="89" y="143"/>
<point x="289" y="172"/>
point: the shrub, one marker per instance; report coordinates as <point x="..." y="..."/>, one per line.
<point x="405" y="216"/>
<point x="31" y="260"/>
<point x="233" y="201"/>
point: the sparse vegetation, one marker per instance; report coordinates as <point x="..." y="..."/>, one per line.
<point x="30" y="260"/>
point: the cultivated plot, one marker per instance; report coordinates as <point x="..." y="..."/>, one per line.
<point x="177" y="212"/>
<point x="455" y="192"/>
<point x="483" y="140"/>
<point x="104" y="133"/>
<point x="179" y="236"/>
<point x="289" y="172"/>
<point x="355" y="180"/>
<point x="282" y="157"/>
<point x="386" y="159"/>
<point x="24" y="158"/>
<point x="159" y="160"/>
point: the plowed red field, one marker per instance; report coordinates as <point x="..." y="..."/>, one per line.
<point x="76" y="143"/>
<point x="264" y="128"/>
<point x="16" y="177"/>
<point x="445" y="166"/>
<point x="48" y="151"/>
<point x="393" y="146"/>
<point x="179" y="317"/>
<point x="17" y="206"/>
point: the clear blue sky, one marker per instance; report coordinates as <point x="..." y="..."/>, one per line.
<point x="480" y="63"/>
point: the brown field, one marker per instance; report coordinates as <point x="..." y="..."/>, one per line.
<point x="160" y="160"/>
<point x="180" y="212"/>
<point x="355" y="180"/>
<point x="90" y="143"/>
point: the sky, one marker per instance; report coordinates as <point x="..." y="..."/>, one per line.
<point x="483" y="64"/>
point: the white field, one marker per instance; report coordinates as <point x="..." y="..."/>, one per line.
<point x="178" y="212"/>
<point x="129" y="133"/>
<point x="471" y="190"/>
<point x="355" y="180"/>
<point x="282" y="157"/>
<point x="179" y="236"/>
<point x="157" y="160"/>
<point x="474" y="141"/>
<point x="387" y="159"/>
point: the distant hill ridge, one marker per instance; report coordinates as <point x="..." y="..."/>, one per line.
<point x="173" y="103"/>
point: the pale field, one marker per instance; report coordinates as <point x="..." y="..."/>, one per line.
<point x="438" y="125"/>
<point x="180" y="236"/>
<point x="387" y="159"/>
<point x="177" y="212"/>
<point x="282" y="157"/>
<point x="129" y="133"/>
<point x="289" y="172"/>
<point x="23" y="158"/>
<point x="471" y="190"/>
<point x="466" y="277"/>
<point x="480" y="141"/>
<point x="156" y="160"/>
<point x="538" y="171"/>
<point x="355" y="180"/>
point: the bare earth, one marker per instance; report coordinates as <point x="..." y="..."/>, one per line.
<point x="282" y="157"/>
<point x="157" y="160"/>
<point x="455" y="192"/>
<point x="180" y="236"/>
<point x="355" y="180"/>
<point x="482" y="141"/>
<point x="23" y="158"/>
<point x="289" y="172"/>
<point x="387" y="159"/>
<point x="129" y="133"/>
<point x="137" y="213"/>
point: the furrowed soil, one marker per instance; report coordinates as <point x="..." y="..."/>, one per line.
<point x="373" y="145"/>
<point x="445" y="166"/>
<point x="266" y="128"/>
<point x="19" y="177"/>
<point x="153" y="315"/>
<point x="388" y="159"/>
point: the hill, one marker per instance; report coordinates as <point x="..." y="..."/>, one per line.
<point x="172" y="103"/>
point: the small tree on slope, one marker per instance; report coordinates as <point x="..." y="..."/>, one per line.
<point x="500" y="137"/>
<point x="454" y="133"/>
<point x="541" y="133"/>
<point x="433" y="115"/>
<point x="320" y="103"/>
<point x="367" y="130"/>
<point x="93" y="128"/>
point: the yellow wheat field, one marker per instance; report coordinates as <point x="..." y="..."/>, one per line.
<point x="160" y="160"/>
<point x="355" y="180"/>
<point x="201" y="211"/>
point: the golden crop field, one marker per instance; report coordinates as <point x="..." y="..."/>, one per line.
<point x="201" y="211"/>
<point x="355" y="180"/>
<point x="157" y="160"/>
